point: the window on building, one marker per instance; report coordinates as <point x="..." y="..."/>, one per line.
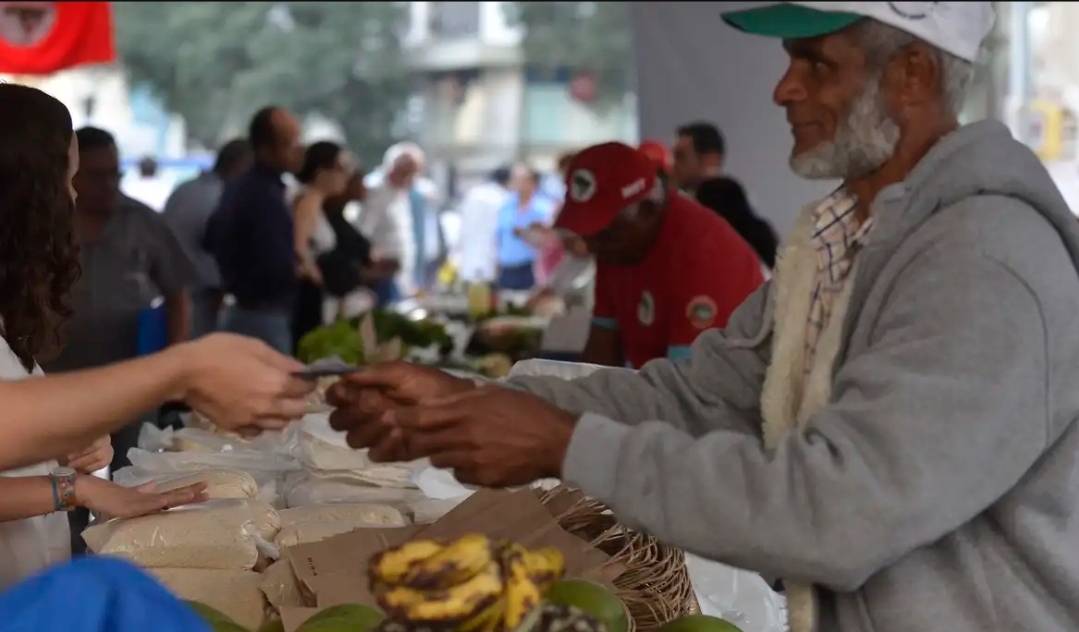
<point x="455" y="19"/>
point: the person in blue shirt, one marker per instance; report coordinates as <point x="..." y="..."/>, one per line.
<point x="524" y="208"/>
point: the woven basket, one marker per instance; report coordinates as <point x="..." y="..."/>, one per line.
<point x="655" y="585"/>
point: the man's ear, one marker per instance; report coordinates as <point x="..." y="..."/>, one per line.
<point x="712" y="161"/>
<point x="916" y="76"/>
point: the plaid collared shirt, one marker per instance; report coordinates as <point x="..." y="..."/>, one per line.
<point x="837" y="237"/>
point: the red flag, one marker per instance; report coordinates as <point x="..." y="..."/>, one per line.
<point x="39" y="38"/>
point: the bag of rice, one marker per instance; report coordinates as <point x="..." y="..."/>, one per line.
<point x="218" y="534"/>
<point x="356" y="513"/>
<point x="221" y="483"/>
<point x="234" y="593"/>
<point x="305" y="490"/>
<point x="312" y="524"/>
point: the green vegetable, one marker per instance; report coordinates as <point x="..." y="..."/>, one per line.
<point x="342" y="338"/>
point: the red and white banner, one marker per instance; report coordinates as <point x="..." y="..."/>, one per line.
<point x="40" y="38"/>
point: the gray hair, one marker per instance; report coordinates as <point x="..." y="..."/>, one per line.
<point x="402" y="150"/>
<point x="881" y="41"/>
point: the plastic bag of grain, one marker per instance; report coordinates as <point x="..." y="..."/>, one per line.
<point x="281" y="587"/>
<point x="221" y="483"/>
<point x="318" y="447"/>
<point x="305" y="525"/>
<point x="303" y="490"/>
<point x="237" y="594"/>
<point x="218" y="534"/>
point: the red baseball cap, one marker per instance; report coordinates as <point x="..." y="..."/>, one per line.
<point x="658" y="153"/>
<point x="601" y="180"/>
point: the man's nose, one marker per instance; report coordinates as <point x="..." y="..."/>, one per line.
<point x="790" y="89"/>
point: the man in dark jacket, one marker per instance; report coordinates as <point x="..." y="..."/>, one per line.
<point x="698" y="170"/>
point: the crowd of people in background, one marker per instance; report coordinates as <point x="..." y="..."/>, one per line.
<point x="279" y="237"/>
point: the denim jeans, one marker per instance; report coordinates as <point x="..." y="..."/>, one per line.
<point x="273" y="328"/>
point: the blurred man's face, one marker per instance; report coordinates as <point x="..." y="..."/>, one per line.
<point x="686" y="167"/>
<point x="97" y="182"/>
<point x="524" y="182"/>
<point x="629" y="237"/>
<point x="288" y="150"/>
<point x="404" y="171"/>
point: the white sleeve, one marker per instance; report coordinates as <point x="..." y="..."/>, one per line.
<point x="378" y="225"/>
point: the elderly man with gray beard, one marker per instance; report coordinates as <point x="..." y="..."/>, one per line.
<point x="890" y="425"/>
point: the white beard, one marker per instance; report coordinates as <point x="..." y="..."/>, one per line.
<point x="865" y="140"/>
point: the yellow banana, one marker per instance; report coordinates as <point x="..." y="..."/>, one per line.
<point x="546" y="567"/>
<point x="451" y="605"/>
<point x="488" y="620"/>
<point x="456" y="563"/>
<point x="521" y="594"/>
<point x="389" y="566"/>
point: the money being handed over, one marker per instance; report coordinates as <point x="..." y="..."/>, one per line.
<point x="326" y="368"/>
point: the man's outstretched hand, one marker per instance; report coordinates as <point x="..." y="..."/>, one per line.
<point x="490" y="435"/>
<point x="364" y="398"/>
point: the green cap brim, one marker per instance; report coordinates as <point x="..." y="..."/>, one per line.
<point x="789" y="21"/>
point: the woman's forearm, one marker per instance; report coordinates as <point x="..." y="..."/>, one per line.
<point x="45" y="417"/>
<point x="25" y="497"/>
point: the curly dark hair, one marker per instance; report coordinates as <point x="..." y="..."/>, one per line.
<point x="39" y="258"/>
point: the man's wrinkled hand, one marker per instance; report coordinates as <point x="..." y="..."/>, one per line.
<point x="363" y="400"/>
<point x="490" y="436"/>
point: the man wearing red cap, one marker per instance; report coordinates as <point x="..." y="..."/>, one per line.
<point x="667" y="268"/>
<point x="658" y="154"/>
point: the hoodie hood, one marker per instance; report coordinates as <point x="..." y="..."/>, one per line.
<point x="978" y="159"/>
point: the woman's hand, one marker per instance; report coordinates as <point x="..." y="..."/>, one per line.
<point x="240" y="383"/>
<point x="115" y="501"/>
<point x="97" y="456"/>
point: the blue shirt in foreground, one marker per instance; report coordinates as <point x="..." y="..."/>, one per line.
<point x="95" y="594"/>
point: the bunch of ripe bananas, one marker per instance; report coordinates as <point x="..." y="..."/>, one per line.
<point x="473" y="584"/>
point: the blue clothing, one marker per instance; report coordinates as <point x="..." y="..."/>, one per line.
<point x="512" y="250"/>
<point x="517" y="277"/>
<point x="95" y="594"/>
<point x="387" y="292"/>
<point x="272" y="327"/>
<point x="251" y="237"/>
<point x="418" y="205"/>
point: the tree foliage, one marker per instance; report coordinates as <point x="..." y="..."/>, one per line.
<point x="581" y="36"/>
<point x="216" y="63"/>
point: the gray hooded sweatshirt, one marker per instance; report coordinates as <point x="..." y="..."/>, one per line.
<point x="938" y="489"/>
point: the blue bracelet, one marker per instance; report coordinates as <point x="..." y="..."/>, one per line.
<point x="55" y="494"/>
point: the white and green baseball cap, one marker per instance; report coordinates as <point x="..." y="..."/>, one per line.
<point x="955" y="27"/>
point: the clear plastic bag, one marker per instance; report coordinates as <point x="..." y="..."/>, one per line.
<point x="303" y="490"/>
<point x="739" y="596"/>
<point x="221" y="483"/>
<point x="250" y="461"/>
<point x="220" y="534"/>
<point x="324" y="453"/>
